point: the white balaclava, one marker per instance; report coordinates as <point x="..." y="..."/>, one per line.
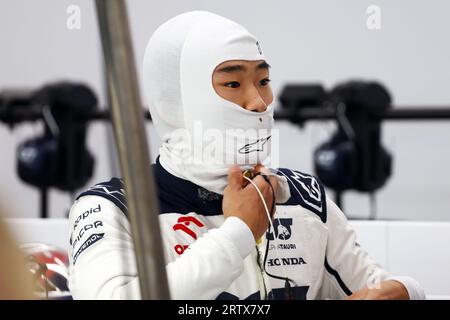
<point x="197" y="126"/>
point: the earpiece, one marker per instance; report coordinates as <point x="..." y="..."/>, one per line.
<point x="248" y="174"/>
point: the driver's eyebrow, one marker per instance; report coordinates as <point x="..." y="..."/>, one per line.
<point x="232" y="68"/>
<point x="262" y="65"/>
<point x="240" y="67"/>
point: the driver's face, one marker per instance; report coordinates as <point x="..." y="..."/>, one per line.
<point x="245" y="83"/>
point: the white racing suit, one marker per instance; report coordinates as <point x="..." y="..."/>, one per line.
<point x="210" y="257"/>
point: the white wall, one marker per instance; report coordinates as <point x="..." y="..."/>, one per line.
<point x="409" y="249"/>
<point x="321" y="40"/>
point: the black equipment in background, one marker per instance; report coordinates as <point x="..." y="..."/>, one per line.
<point x="353" y="158"/>
<point x="58" y="158"/>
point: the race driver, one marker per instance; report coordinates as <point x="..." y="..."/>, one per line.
<point x="271" y="234"/>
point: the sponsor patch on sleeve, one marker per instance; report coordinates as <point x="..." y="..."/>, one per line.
<point x="93" y="238"/>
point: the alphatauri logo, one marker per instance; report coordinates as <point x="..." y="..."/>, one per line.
<point x="258" y="145"/>
<point x="282" y="229"/>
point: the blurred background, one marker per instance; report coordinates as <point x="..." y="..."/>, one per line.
<point x="321" y="41"/>
<point x="324" y="42"/>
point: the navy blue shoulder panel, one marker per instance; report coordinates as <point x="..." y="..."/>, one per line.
<point x="112" y="190"/>
<point x="182" y="196"/>
<point x="306" y="191"/>
<point x="174" y="194"/>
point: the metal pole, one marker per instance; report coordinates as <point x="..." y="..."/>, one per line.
<point x="132" y="146"/>
<point x="44" y="202"/>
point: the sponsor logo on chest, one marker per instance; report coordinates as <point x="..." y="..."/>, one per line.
<point x="285" y="262"/>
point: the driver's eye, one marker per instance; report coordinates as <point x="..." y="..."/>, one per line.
<point x="264" y="82"/>
<point x="232" y="84"/>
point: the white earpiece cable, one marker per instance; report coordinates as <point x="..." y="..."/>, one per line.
<point x="270" y="222"/>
